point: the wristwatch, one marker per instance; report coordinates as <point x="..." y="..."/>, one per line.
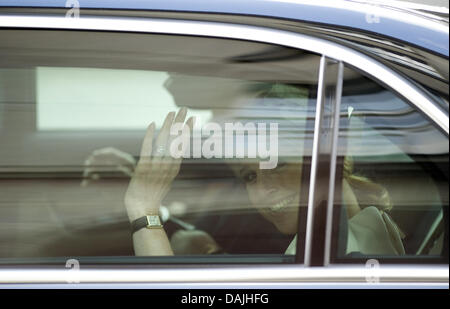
<point x="149" y="222"/>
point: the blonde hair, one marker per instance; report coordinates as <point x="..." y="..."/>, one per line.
<point x="367" y="192"/>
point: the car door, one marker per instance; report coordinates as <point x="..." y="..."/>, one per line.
<point x="78" y="96"/>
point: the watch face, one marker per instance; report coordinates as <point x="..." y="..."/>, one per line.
<point x="153" y="221"/>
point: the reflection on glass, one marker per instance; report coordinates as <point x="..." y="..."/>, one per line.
<point x="74" y="115"/>
<point x="74" y="130"/>
<point x="102" y="99"/>
<point x="406" y="159"/>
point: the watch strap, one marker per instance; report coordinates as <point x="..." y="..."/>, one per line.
<point x="149" y="222"/>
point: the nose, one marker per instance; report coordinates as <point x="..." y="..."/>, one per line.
<point x="267" y="183"/>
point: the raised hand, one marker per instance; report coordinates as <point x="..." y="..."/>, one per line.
<point x="156" y="168"/>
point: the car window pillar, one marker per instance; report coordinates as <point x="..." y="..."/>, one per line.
<point x="323" y="164"/>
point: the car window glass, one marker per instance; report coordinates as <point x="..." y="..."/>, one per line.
<point x="393" y="201"/>
<point x="74" y="109"/>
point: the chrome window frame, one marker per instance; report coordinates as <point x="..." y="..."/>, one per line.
<point x="239" y="276"/>
<point x="324" y="145"/>
<point x="403" y="86"/>
<point x="436" y="275"/>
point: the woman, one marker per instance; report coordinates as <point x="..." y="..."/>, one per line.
<point x="275" y="194"/>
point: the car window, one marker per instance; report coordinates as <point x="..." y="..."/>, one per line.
<point x="75" y="108"/>
<point x="393" y="200"/>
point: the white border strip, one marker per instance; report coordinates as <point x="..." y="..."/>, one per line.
<point x="425" y="274"/>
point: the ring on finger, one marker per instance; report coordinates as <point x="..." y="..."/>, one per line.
<point x="160" y="150"/>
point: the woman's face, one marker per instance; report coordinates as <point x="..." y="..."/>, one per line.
<point x="275" y="192"/>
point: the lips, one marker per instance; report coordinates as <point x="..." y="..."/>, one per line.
<point x="282" y="204"/>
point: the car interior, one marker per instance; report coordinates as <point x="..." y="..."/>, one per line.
<point x="46" y="212"/>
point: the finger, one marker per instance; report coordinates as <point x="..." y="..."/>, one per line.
<point x="187" y="137"/>
<point x="126" y="170"/>
<point x="87" y="171"/>
<point x="161" y="141"/>
<point x="181" y="116"/>
<point x="85" y="177"/>
<point x="84" y="182"/>
<point x="190" y="123"/>
<point x="179" y="120"/>
<point x="88" y="161"/>
<point x="89" y="176"/>
<point x="146" y="148"/>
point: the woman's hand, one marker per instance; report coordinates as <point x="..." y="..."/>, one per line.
<point x="156" y="168"/>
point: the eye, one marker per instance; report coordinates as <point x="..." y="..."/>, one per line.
<point x="249" y="177"/>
